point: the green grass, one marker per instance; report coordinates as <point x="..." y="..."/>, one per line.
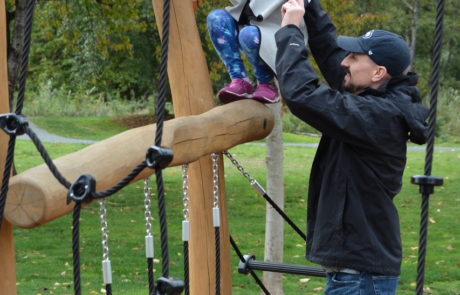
<point x="44" y="257"/>
<point x="93" y="128"/>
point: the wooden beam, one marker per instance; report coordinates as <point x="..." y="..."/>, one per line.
<point x="35" y="197"/>
<point x="7" y="257"/>
<point x="192" y="94"/>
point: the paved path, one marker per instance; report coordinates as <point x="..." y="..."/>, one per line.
<point x="45" y="136"/>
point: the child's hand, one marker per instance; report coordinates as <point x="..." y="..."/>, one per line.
<point x="292" y="12"/>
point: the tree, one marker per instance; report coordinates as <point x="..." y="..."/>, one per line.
<point x="274" y="224"/>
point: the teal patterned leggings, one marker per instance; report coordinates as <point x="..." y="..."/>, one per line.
<point x="229" y="41"/>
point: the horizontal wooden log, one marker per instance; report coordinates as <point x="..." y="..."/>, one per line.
<point x="35" y="197"/>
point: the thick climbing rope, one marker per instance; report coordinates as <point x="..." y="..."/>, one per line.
<point x="261" y="191"/>
<point x="253" y="274"/>
<point x="19" y="105"/>
<point x="434" y="82"/>
<point x="159" y="112"/>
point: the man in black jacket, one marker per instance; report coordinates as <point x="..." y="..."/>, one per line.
<point x="366" y="115"/>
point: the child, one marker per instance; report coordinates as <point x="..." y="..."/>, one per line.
<point x="249" y="26"/>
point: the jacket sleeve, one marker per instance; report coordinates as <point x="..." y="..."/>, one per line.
<point x="358" y="120"/>
<point x="323" y="44"/>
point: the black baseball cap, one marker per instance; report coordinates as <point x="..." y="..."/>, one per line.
<point x="384" y="48"/>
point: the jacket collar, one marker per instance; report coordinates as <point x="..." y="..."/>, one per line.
<point x="410" y="79"/>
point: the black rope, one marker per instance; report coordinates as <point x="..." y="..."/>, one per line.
<point x="45" y="156"/>
<point x="159" y="111"/>
<point x="76" y="248"/>
<point x="284" y="216"/>
<point x="151" y="276"/>
<point x="108" y="289"/>
<point x="186" y="270"/>
<point x="434" y="82"/>
<point x="217" y="238"/>
<point x="125" y="181"/>
<point x="163" y="224"/>
<point x="20" y="101"/>
<point x="6" y="176"/>
<point x="253" y="274"/>
<point x="25" y="57"/>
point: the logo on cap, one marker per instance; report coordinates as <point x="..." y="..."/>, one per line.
<point x="368" y="35"/>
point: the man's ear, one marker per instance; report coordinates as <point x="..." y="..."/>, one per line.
<point x="380" y="74"/>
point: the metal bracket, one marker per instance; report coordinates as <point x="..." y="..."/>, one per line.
<point x="427" y="183"/>
<point x="13" y="124"/>
<point x="82" y="190"/>
<point x="158" y="157"/>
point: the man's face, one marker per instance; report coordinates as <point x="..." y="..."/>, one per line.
<point x="359" y="72"/>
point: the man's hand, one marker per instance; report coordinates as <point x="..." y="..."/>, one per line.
<point x="292" y="12"/>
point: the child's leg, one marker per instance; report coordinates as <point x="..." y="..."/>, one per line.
<point x="249" y="39"/>
<point x="223" y="31"/>
<point x="266" y="90"/>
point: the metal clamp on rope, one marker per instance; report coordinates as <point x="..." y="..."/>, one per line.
<point x="158" y="157"/>
<point x="427" y="183"/>
<point x="13" y="124"/>
<point x="82" y="190"/>
<point x="243" y="266"/>
<point x="169" y="286"/>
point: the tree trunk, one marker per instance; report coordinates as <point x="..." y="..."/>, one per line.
<point x="414" y="8"/>
<point x="274" y="226"/>
<point x="16" y="46"/>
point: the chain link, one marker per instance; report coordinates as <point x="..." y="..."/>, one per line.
<point x="147" y="207"/>
<point x="185" y="190"/>
<point x="105" y="234"/>
<point x="215" y="179"/>
<point x="240" y="168"/>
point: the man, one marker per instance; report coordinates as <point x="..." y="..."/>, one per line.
<point x="366" y="116"/>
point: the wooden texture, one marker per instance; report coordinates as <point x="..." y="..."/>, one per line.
<point x="192" y="94"/>
<point x="35" y="197"/>
<point x="7" y="257"/>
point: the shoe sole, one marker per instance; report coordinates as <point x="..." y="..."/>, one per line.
<point x="266" y="100"/>
<point x="228" y="97"/>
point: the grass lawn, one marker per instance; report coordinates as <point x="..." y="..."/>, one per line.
<point x="44" y="256"/>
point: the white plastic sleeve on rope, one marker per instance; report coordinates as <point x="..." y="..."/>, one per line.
<point x="149" y="251"/>
<point x="216" y="217"/>
<point x="260" y="190"/>
<point x="107" y="271"/>
<point x="185" y="230"/>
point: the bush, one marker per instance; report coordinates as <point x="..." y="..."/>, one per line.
<point x="49" y="101"/>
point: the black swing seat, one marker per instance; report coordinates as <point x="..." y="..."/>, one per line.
<point x="169" y="286"/>
<point x="251" y="263"/>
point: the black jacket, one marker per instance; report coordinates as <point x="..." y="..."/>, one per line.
<point x="358" y="168"/>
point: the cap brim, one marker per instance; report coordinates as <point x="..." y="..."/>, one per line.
<point x="351" y="44"/>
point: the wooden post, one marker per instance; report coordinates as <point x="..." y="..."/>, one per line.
<point x="7" y="258"/>
<point x="192" y="94"/>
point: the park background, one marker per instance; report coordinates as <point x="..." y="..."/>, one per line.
<point x="93" y="72"/>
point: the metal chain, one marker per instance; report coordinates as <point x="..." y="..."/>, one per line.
<point x="147" y="207"/>
<point x="104" y="231"/>
<point x="215" y="179"/>
<point x="240" y="168"/>
<point x="106" y="265"/>
<point x="185" y="190"/>
<point x="186" y="227"/>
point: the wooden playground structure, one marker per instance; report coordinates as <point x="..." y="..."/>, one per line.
<point x="200" y="128"/>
